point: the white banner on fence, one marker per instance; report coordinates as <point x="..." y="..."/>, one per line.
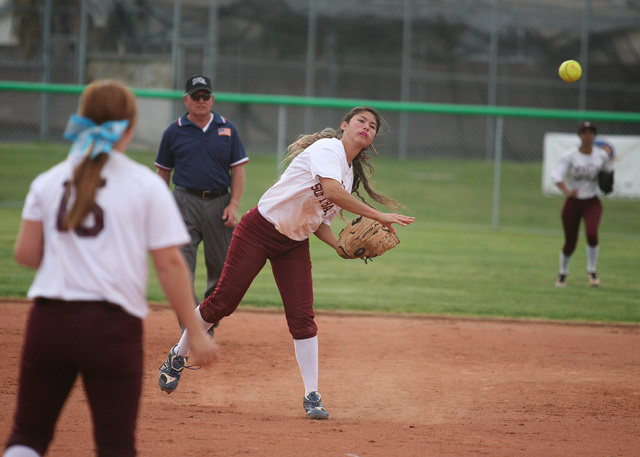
<point x="626" y="161"/>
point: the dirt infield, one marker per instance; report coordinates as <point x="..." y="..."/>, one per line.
<point x="394" y="386"/>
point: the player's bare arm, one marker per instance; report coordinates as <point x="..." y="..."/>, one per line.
<point x="29" y="247"/>
<point x="326" y="235"/>
<point x="335" y="193"/>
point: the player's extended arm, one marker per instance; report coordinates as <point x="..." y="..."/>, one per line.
<point x="175" y="279"/>
<point x="335" y="193"/>
<point x="29" y="247"/>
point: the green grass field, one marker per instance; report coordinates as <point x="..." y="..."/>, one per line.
<point x="449" y="262"/>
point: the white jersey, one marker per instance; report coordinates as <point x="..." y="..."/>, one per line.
<point x="296" y="204"/>
<point x="108" y="260"/>
<point x="580" y="171"/>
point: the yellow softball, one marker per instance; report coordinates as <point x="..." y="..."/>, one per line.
<point x="570" y="71"/>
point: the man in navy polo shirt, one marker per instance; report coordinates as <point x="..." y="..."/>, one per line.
<point x="205" y="153"/>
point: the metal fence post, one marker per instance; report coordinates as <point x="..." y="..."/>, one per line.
<point x="45" y="100"/>
<point x="310" y="76"/>
<point x="405" y="83"/>
<point x="211" y="51"/>
<point x="492" y="90"/>
<point x="584" y="55"/>
<point x="497" y="170"/>
<point x="176" y="44"/>
<point x="282" y="133"/>
<point x="82" y="45"/>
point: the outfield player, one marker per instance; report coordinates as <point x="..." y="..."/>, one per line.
<point x="576" y="175"/>
<point x="205" y="154"/>
<point x="326" y="168"/>
<point x="88" y="225"/>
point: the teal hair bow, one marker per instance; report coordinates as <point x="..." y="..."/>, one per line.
<point x="83" y="131"/>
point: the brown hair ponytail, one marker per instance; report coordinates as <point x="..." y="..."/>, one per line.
<point x="101" y="101"/>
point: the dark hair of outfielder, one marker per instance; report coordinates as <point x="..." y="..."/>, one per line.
<point x="101" y="101"/>
<point x="363" y="169"/>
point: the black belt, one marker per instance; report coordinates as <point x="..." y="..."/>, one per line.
<point x="204" y="194"/>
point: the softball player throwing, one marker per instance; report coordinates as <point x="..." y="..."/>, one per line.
<point x="88" y="225"/>
<point x="326" y="168"/>
<point x="576" y="175"/>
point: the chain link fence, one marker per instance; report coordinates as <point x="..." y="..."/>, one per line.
<point x="449" y="153"/>
<point x="491" y="53"/>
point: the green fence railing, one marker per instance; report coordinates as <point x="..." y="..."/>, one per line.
<point x="318" y="102"/>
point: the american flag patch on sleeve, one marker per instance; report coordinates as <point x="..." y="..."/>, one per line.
<point x="225" y="131"/>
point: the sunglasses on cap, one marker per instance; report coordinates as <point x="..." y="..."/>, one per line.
<point x="196" y="97"/>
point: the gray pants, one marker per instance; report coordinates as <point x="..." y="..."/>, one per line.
<point x="203" y="219"/>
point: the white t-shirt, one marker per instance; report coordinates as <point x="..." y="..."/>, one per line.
<point x="135" y="213"/>
<point x="296" y="204"/>
<point x="580" y="171"/>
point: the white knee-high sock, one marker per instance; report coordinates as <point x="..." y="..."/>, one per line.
<point x="184" y="345"/>
<point x="307" y="357"/>
<point x="17" y="450"/>
<point x="564" y="263"/>
<point x="592" y="258"/>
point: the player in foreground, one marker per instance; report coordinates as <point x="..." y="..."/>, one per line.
<point x="325" y="169"/>
<point x="576" y="175"/>
<point x="87" y="226"/>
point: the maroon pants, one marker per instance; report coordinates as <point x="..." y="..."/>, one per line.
<point x="101" y="342"/>
<point x="255" y="240"/>
<point x="591" y="211"/>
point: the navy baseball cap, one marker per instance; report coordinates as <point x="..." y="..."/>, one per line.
<point x="196" y="83"/>
<point x="587" y="125"/>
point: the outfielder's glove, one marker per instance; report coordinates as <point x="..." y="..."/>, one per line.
<point x="365" y="238"/>
<point x="605" y="181"/>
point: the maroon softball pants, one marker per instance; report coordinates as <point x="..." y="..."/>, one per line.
<point x="255" y="240"/>
<point x="573" y="210"/>
<point x="97" y="340"/>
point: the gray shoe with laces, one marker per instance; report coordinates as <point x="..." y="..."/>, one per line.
<point x="171" y="370"/>
<point x="313" y="406"/>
